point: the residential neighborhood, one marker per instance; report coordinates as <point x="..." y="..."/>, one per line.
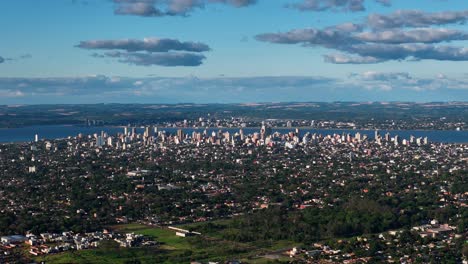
<point x="85" y="183"/>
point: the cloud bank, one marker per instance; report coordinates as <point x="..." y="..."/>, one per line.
<point x="416" y="18"/>
<point x="402" y="35"/>
<point x="375" y="86"/>
<point x="334" y="5"/>
<point x="147" y="44"/>
<point x="149" y="51"/>
<point x="159" y="8"/>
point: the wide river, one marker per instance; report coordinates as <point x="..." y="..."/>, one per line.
<point x="25" y="134"/>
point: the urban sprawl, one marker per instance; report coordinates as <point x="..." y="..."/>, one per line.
<point x="387" y="198"/>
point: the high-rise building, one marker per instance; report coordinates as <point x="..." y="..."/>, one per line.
<point x="99" y="141"/>
<point x="265" y="131"/>
<point x="387" y="137"/>
<point x="358" y="136"/>
<point x="149" y="131"/>
<point x="419" y="141"/>
<point x="227" y="136"/>
<point x="180" y="134"/>
<point x="255" y="136"/>
<point x="36" y="138"/>
<point x="109" y="141"/>
<point x="241" y="134"/>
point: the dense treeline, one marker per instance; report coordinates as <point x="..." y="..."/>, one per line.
<point x="355" y="217"/>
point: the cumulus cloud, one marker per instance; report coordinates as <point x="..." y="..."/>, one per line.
<point x="382" y="76"/>
<point x="376" y="53"/>
<point x="138" y="9"/>
<point x="416" y="18"/>
<point x="412" y="51"/>
<point x="347" y="27"/>
<point x="360" y="44"/>
<point x="168" y="59"/>
<point x="335" y="5"/>
<point x="403" y="80"/>
<point x="158" y="8"/>
<point x="346" y="59"/>
<point x="328" y="37"/>
<point x="147" y="44"/>
<point x="343" y="35"/>
<point x="149" y="51"/>
<point x="421" y="35"/>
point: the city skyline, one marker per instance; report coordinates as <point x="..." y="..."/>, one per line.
<point x="233" y="51"/>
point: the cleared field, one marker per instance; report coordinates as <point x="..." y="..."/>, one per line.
<point x="172" y="249"/>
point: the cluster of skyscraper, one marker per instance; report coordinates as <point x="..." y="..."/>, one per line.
<point x="397" y="140"/>
<point x="152" y="136"/>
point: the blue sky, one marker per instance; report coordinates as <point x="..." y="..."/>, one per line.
<point x="91" y="51"/>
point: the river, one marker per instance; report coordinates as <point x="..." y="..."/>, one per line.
<point x="25" y="134"/>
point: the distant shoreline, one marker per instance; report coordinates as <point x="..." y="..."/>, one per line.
<point x="199" y="128"/>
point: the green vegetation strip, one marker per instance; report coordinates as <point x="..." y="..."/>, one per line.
<point x="173" y="249"/>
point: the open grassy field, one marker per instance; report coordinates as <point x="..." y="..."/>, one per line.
<point x="172" y="249"/>
<point x="199" y="247"/>
<point x="219" y="228"/>
<point x="166" y="237"/>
